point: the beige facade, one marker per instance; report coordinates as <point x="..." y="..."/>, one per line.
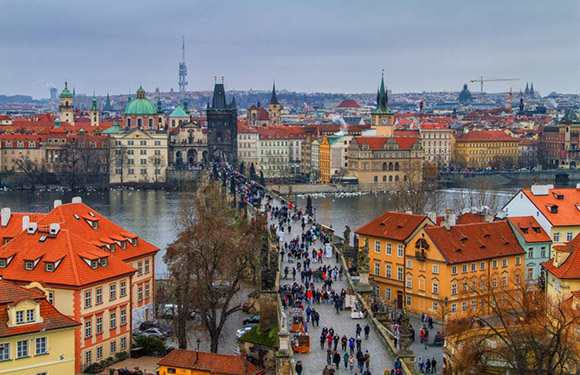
<point x="138" y="156"/>
<point x="436" y="139"/>
<point x="188" y="144"/>
<point x="248" y="142"/>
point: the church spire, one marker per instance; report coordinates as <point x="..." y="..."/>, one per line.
<point x="274" y="99"/>
<point x="94" y="108"/>
<point x="527" y="89"/>
<point x="382" y="97"/>
<point x="532" y="88"/>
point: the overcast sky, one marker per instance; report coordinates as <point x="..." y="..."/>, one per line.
<point x="305" y="45"/>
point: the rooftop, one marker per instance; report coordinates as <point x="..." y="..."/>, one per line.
<point x="211" y="362"/>
<point x="393" y="225"/>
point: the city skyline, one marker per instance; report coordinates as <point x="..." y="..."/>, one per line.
<point x="338" y="46"/>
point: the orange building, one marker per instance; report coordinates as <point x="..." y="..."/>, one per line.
<point x="448" y="267"/>
<point x="189" y="362"/>
<point x="387" y="238"/>
<point x="324" y="161"/>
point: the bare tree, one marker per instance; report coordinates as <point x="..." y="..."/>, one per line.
<point x="482" y="199"/>
<point x="210" y="257"/>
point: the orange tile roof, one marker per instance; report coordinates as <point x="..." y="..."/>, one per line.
<point x="14" y="225"/>
<point x="72" y="253"/>
<point x="376" y="143"/>
<point x="470" y="242"/>
<point x="570" y="269"/>
<point x="52" y="318"/>
<point x="64" y="215"/>
<point x="568" y="212"/>
<point x="393" y="225"/>
<point x="529" y="229"/>
<point x="219" y="364"/>
<point x="469" y="218"/>
<point x="432" y="126"/>
<point x="348" y="103"/>
<point x="486" y="136"/>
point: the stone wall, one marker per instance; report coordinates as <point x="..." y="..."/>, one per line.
<point x="315" y="188"/>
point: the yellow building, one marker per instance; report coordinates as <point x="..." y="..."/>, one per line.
<point x="189" y="362"/>
<point x="562" y="276"/>
<point x="485" y="148"/>
<point x="35" y="338"/>
<point x="324" y="161"/>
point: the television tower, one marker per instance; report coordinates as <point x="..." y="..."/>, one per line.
<point x="182" y="69"/>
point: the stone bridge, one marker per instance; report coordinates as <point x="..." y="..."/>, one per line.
<point x="509" y="179"/>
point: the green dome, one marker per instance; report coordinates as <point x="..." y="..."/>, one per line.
<point x="140" y="105"/>
<point x="66" y="93"/>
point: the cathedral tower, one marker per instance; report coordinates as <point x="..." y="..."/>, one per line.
<point x="382" y="118"/>
<point x="65" y="108"/>
<point x="94" y="112"/>
<point x="222" y="127"/>
<point x="274" y="109"/>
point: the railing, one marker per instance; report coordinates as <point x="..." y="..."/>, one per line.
<point x="420" y="254"/>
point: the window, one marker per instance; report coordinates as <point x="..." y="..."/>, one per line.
<point x="378" y="247"/>
<point x="2" y="262"/>
<point x="482" y="284"/>
<point x="88" y="329"/>
<point x="88" y="357"/>
<point x="377" y="269"/>
<point x="473" y="267"/>
<point x="435" y="306"/>
<point x="464" y="268"/>
<point x="409" y="282"/>
<point x="388" y="271"/>
<point x="504" y="280"/>
<point x="494" y="282"/>
<point x="99" y="296"/>
<point x="494" y="264"/>
<point x="99" y="325"/>
<point x="49" y="267"/>
<point x="389" y="251"/>
<point x="569" y="236"/>
<point x="41" y="347"/>
<point x="147" y="266"/>
<point x="435" y="287"/>
<point x="140" y="295"/>
<point x="464" y="286"/>
<point x="464" y="306"/>
<point x="453" y="289"/>
<point x="139" y="268"/>
<point x="123" y="288"/>
<point x="123" y="317"/>
<point x="113" y="320"/>
<point x="99" y="352"/>
<point x="530" y="253"/>
<point x="123" y="343"/>
<point x="400" y="273"/>
<point x="473" y="304"/>
<point x="454" y="270"/>
<point x="143" y="152"/>
<point x="517" y="278"/>
<point x="143" y="161"/>
<point x="28" y="265"/>
<point x="113" y="347"/>
<point x="22" y="349"/>
<point x="400" y="250"/>
<point x="435" y="269"/>
<point x="171" y="370"/>
<point x="518" y="261"/>
<point x="19" y="317"/>
<point x="409" y="264"/>
<point x="453" y="308"/>
<point x="504" y="262"/>
<point x="113" y="291"/>
<point x="556" y="237"/>
<point x="482" y="266"/>
<point x="30" y="315"/>
<point x="4" y="351"/>
<point x="387" y="294"/>
<point x="543" y="252"/>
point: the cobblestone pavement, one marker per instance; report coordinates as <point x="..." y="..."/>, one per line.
<point x="343" y="324"/>
<point x="419" y="349"/>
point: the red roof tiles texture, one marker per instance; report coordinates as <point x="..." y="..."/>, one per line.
<point x="222" y="364"/>
<point x="393" y="225"/>
<point x="529" y="229"/>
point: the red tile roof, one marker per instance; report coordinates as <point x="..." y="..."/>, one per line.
<point x="393" y="225"/>
<point x="52" y="318"/>
<point x="432" y="126"/>
<point x="486" y="136"/>
<point x="570" y="269"/>
<point x="14" y="225"/>
<point x="376" y="143"/>
<point x="222" y="364"/>
<point x="529" y="229"/>
<point x="470" y="242"/>
<point x="568" y="211"/>
<point x="348" y="103"/>
<point x="469" y="218"/>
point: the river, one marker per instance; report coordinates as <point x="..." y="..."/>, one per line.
<point x="151" y="214"/>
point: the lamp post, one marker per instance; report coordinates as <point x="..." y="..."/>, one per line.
<point x="198" y="341"/>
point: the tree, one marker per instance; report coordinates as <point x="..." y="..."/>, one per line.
<point x="158" y="162"/>
<point x="417" y="197"/>
<point x="515" y="328"/>
<point x="211" y="254"/>
<point x="309" y="210"/>
<point x="483" y="198"/>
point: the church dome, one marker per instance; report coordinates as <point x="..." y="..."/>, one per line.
<point x="140" y="106"/>
<point x="66" y="92"/>
<point x="465" y="95"/>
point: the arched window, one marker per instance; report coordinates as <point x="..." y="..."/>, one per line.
<point x="390" y="166"/>
<point x="384" y="178"/>
<point x="390" y="178"/>
<point x="397" y="166"/>
<point x="384" y="166"/>
<point x="397" y="178"/>
<point x="405" y="178"/>
<point x="128" y="122"/>
<point x="139" y="123"/>
<point x="150" y="123"/>
<point x="172" y="122"/>
<point x="376" y="178"/>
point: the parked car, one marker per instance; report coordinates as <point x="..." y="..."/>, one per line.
<point x="252" y="319"/>
<point x="153" y="324"/>
<point x="242" y="331"/>
<point x="167" y="311"/>
<point x="151" y="332"/>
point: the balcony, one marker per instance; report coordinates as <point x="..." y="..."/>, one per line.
<point x="420" y="255"/>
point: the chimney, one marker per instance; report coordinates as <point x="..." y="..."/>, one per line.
<point x="57" y="203"/>
<point x="5" y="213"/>
<point x="54" y="229"/>
<point x="541" y="189"/>
<point x="488" y="218"/>
<point x="25" y="222"/>
<point x="32" y="227"/>
<point x="446" y="225"/>
<point x="451" y="218"/>
<point x="77" y="200"/>
<point x="432" y="216"/>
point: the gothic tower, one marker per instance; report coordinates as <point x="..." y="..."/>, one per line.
<point x="222" y="127"/>
<point x="94" y="112"/>
<point x="274" y="109"/>
<point x="382" y="118"/>
<point x="65" y="108"/>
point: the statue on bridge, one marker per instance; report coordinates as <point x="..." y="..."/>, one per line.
<point x="363" y="257"/>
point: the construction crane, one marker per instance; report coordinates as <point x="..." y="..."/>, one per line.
<point x="482" y="79"/>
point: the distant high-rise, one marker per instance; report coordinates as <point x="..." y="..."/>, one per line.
<point x="182" y="69"/>
<point x="53" y="93"/>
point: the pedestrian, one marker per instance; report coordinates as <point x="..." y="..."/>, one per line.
<point x="345" y="357"/>
<point x="322" y="340"/>
<point x="367" y="359"/>
<point x="298" y="367"/>
<point x="325" y="371"/>
<point x="343" y="343"/>
<point x="422" y="367"/>
<point x="430" y="320"/>
<point x="351" y="342"/>
<point x="367" y="331"/>
<point x="351" y="363"/>
<point x="433" y="366"/>
<point x="426" y="343"/>
<point x="329" y="355"/>
<point x="428" y="366"/>
<point x="336" y="359"/>
<point x="358" y="329"/>
<point x="336" y="339"/>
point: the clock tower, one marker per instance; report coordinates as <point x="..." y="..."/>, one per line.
<point x="382" y="118"/>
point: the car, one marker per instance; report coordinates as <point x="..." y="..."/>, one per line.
<point x="242" y="331"/>
<point x="252" y="319"/>
<point x="151" y="332"/>
<point x="221" y="285"/>
<point x="164" y="328"/>
<point x="250" y="325"/>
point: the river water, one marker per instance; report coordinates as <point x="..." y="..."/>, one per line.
<point x="151" y="214"/>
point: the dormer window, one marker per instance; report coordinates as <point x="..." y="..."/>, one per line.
<point x="112" y="247"/>
<point x="28" y="265"/>
<point x="134" y="241"/>
<point x="20" y="317"/>
<point x="30" y="316"/>
<point x="2" y="262"/>
<point x="553" y="209"/>
<point x="104" y="262"/>
<point x="123" y="244"/>
<point x="525" y="230"/>
<point x="95" y="224"/>
<point x="49" y="267"/>
<point x="558" y="196"/>
<point x="94" y="264"/>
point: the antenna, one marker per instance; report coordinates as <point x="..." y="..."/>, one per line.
<point x="183" y="50"/>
